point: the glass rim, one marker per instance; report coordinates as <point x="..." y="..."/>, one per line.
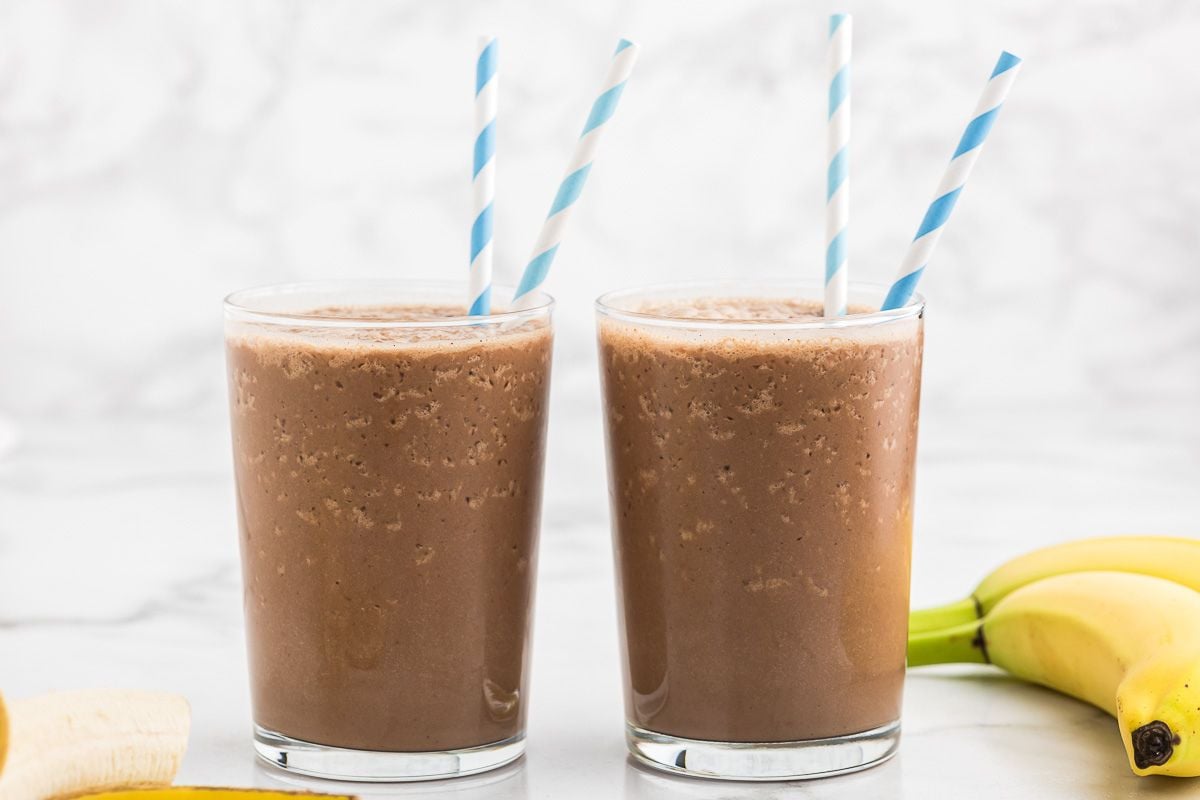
<point x="604" y="305"/>
<point x="236" y="304"/>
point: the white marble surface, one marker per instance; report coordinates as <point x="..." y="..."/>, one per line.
<point x="155" y="155"/>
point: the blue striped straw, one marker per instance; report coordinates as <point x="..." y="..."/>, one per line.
<point x="953" y="180"/>
<point x="483" y="178"/>
<point x="837" y="180"/>
<point x="578" y="168"/>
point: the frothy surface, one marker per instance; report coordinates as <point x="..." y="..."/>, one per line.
<point x="455" y="333"/>
<point x="388" y="313"/>
<point x="748" y="309"/>
<point x="666" y="326"/>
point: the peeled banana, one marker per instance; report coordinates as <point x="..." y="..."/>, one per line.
<point x="1126" y="643"/>
<point x="1174" y="558"/>
<point x="69" y="743"/>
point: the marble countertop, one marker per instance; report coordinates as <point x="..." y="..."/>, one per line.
<point x="156" y="156"/>
<point x="118" y="566"/>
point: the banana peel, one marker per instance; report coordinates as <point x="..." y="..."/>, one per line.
<point x="1175" y="558"/>
<point x="3" y="733"/>
<point x="208" y="793"/>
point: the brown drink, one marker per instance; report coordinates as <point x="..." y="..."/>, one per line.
<point x="761" y="475"/>
<point x="389" y="466"/>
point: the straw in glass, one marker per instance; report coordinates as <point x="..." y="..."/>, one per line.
<point x="837" y="181"/>
<point x="955" y="177"/>
<point x="483" y="178"/>
<point x="578" y="168"/>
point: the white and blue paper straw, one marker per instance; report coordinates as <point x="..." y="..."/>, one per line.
<point x="837" y="179"/>
<point x="577" y="173"/>
<point x="483" y="178"/>
<point x="955" y="177"/>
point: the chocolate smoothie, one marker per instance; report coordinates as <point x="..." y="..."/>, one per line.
<point x="761" y="484"/>
<point x="389" y="491"/>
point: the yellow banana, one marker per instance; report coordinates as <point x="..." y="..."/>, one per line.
<point x="1174" y="558"/>
<point x="4" y="727"/>
<point x="1126" y="643"/>
<point x="67" y="743"/>
<point x="209" y="793"/>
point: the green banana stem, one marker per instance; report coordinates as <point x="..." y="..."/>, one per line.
<point x="950" y="615"/>
<point x="962" y="644"/>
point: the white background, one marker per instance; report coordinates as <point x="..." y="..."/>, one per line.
<point x="156" y="155"/>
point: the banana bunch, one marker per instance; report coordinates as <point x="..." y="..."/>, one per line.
<point x="1114" y="622"/>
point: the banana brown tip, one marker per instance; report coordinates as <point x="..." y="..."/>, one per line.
<point x="980" y="644"/>
<point x="1153" y="744"/>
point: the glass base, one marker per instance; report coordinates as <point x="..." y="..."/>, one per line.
<point x="769" y="761"/>
<point x="345" y="764"/>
